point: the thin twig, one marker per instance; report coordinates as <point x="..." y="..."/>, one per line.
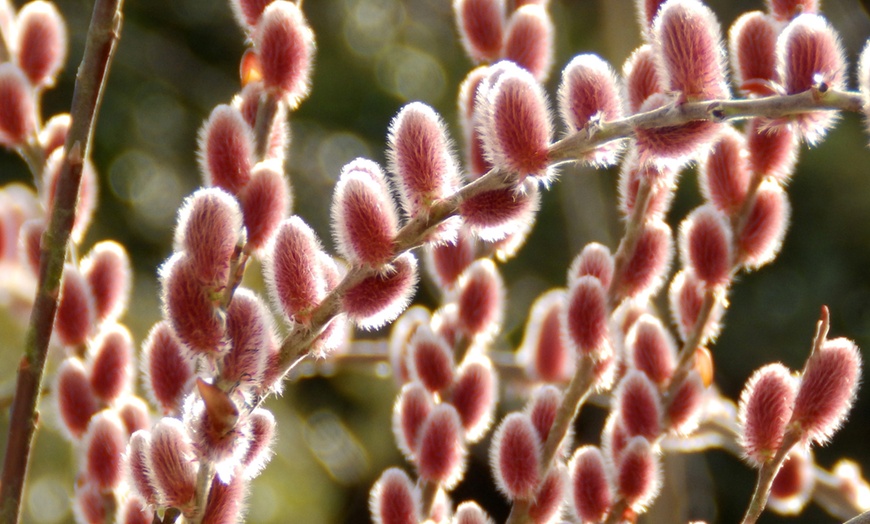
<point x="767" y="474"/>
<point x="103" y="35"/>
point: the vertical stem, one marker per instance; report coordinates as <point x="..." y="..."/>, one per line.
<point x="765" y="478"/>
<point x="103" y="35"/>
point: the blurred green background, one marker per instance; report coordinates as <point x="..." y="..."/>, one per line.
<point x="177" y="59"/>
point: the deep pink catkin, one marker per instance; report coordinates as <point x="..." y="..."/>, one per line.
<point x="761" y="237"/>
<point x="542" y="409"/>
<point x="705" y="245"/>
<point x="495" y="215"/>
<point x="470" y="513"/>
<point x="251" y="331"/>
<point x="684" y="409"/>
<point x="515" y="457"/>
<point x="139" y="469"/>
<point x="543" y="351"/>
<point x="794" y="482"/>
<point x="285" y="46"/>
<point x="641" y="77"/>
<point x="17" y="106"/>
<point x="248" y="12"/>
<point x="481" y="298"/>
<point x="773" y="150"/>
<point x="752" y="43"/>
<point x="292" y="275"/>
<point x="588" y="95"/>
<point x="591" y="494"/>
<point x="827" y="389"/>
<point x="76" y="313"/>
<point x="111" y="366"/>
<point x="172" y="465"/>
<point x="226" y="149"/>
<point x="76" y="402"/>
<point x="441" y="448"/>
<point x="528" y="40"/>
<point x="686" y="296"/>
<point x="189" y="307"/>
<point x="651" y="349"/>
<point x="394" y="499"/>
<point x="265" y="200"/>
<point x="481" y="26"/>
<point x="474" y="395"/>
<point x="724" y="172"/>
<point x="412" y="408"/>
<point x="382" y="297"/>
<point x="107" y="270"/>
<point x="135" y="511"/>
<point x="639" y="477"/>
<point x="104" y="445"/>
<point x="446" y="261"/>
<point x="585" y="317"/>
<point x="788" y="9"/>
<point x="134" y="412"/>
<point x="261" y="427"/>
<point x="765" y="409"/>
<point x="643" y="273"/>
<point x="41" y="42"/>
<point x="639" y="406"/>
<point x="660" y="177"/>
<point x="430" y="360"/>
<point x="550" y="498"/>
<point x="168" y="369"/>
<point x="225" y="500"/>
<point x="209" y="227"/>
<point x="594" y="260"/>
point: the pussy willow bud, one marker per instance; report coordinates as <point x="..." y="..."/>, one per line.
<point x="167" y="367"/>
<point x="793" y="485"/>
<point x="497" y="214"/>
<point x="17" y="106"/>
<point x="686" y="296"/>
<point x="724" y="172"/>
<point x="261" y="426"/>
<point x="651" y="349"/>
<point x="591" y="493"/>
<point x="470" y="513"/>
<point x="441" y="448"/>
<point x="542" y="409"/>
<point x="550" y="497"/>
<point x="643" y="273"/>
<point x="107" y="270"/>
<point x="543" y="351"/>
<point x="226" y="149"/>
<point x="292" y="275"/>
<point x="266" y="200"/>
<point x="172" y="465"/>
<point x="104" y="445"/>
<point x="788" y="9"/>
<point x="481" y="26"/>
<point x="394" y="499"/>
<point x="585" y="317"/>
<point x="412" y="408"/>
<point x="639" y="406"/>
<point x="382" y="297"/>
<point x="431" y="360"/>
<point x="765" y="408"/>
<point x="189" y="307"/>
<point x="248" y="12"/>
<point x="639" y="477"/>
<point x="475" y="393"/>
<point x="76" y="313"/>
<point x="773" y="151"/>
<point x="42" y="42"/>
<point x="659" y="177"/>
<point x="76" y="402"/>
<point x="481" y="299"/>
<point x="135" y="414"/>
<point x="705" y="245"/>
<point x="111" y="366"/>
<point x="684" y="409"/>
<point x="285" y="45"/>
<point x="761" y="237"/>
<point x="528" y="41"/>
<point x="251" y="331"/>
<point x="87" y="199"/>
<point x="641" y="77"/>
<point x="446" y="261"/>
<point x="53" y="134"/>
<point x="515" y="456"/>
<point x="752" y="42"/>
<point x="594" y="260"/>
<point x="225" y="500"/>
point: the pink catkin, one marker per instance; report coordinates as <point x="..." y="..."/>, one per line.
<point x="441" y="448"/>
<point x="111" y="367"/>
<point x="639" y="406"/>
<point x="135" y="511"/>
<point x="394" y="499"/>
<point x="550" y="497"/>
<point x="546" y="355"/>
<point x="773" y="151"/>
<point x="481" y="298"/>
<point x="788" y="9"/>
<point x="104" y="444"/>
<point x="226" y="149"/>
<point x="470" y="513"/>
<point x="685" y="406"/>
<point x="285" y="45"/>
<point x="448" y="260"/>
<point x="641" y="77"/>
<point x="209" y="227"/>
<point x="138" y="460"/>
<point x="496" y="214"/>
<point x="660" y="178"/>
<point x="290" y="269"/>
<point x="591" y="494"/>
<point x="42" y="42"/>
<point x="411" y="410"/>
<point x="542" y="409"/>
<point x="87" y="199"/>
<point x="827" y="389"/>
<point x="53" y="134"/>
<point x="651" y="349"/>
<point x="135" y="414"/>
<point x="585" y="317"/>
<point x="172" y="466"/>
<point x="724" y="172"/>
<point x="265" y="201"/>
<point x="249" y="12"/>
<point x="189" y="308"/>
<point x="168" y="369"/>
<point x="75" y="399"/>
<point x="17" y="106"/>
<point x="225" y="500"/>
<point x="261" y="427"/>
<point x="794" y="482"/>
<point x="752" y="41"/>
<point x="251" y="332"/>
<point x="381" y="298"/>
<point x="639" y="476"/>
<point x="474" y="396"/>
<point x="400" y="333"/>
<point x="108" y="272"/>
<point x="431" y="360"/>
<point x="686" y="296"/>
<point x="515" y="456"/>
<point x="481" y="26"/>
<point x="705" y="245"/>
<point x="528" y="40"/>
<point x="643" y="273"/>
<point x="594" y="260"/>
<point x="765" y="409"/>
<point x="76" y="313"/>
<point x="761" y="237"/>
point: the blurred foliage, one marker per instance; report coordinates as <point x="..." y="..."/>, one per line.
<point x="179" y="58"/>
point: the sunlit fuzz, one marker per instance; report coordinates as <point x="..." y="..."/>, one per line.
<point x="364" y="218"/>
<point x="470" y="513"/>
<point x="474" y="395"/>
<point x="641" y="77"/>
<point x="285" y="45"/>
<point x="687" y="41"/>
<point x="585" y="317"/>
<point x="226" y="149"/>
<point x="793" y="485"/>
<point x="295" y="281"/>
<point x="588" y="95"/>
<point x="430" y="360"/>
<point x="810" y="55"/>
<point x="639" y="475"/>
<point x="226" y="500"/>
<point x="107" y="270"/>
<point x="481" y="26"/>
<point x="646" y="12"/>
<point x="88" y="188"/>
<point x="594" y="260"/>
<point x="528" y="40"/>
<point x="441" y="448"/>
<point x="765" y="409"/>
<point x="467" y="98"/>
<point x="251" y="331"/>
<point x="496" y="214"/>
<point x="773" y="150"/>
<point x="134" y="510"/>
<point x="104" y="445"/>
<point x="53" y="134"/>
<point x="134" y="412"/>
<point x="76" y="311"/>
<point x="548" y="501"/>
<point x="752" y="43"/>
<point x="420" y="158"/>
<point x="138" y="464"/>
<point x="542" y="409"/>
<point x="761" y="237"/>
<point x="515" y="457"/>
<point x="401" y="332"/>
<point x="480" y="296"/>
<point x="646" y="268"/>
<point x="445" y="322"/>
<point x="412" y="408"/>
<point x="673" y="146"/>
<point x="446" y="261"/>
<point x="248" y="12"/>
<point x="394" y="499"/>
<point x="613" y="438"/>
<point x="172" y="463"/>
<point x="167" y="368"/>
<point x="41" y="42"/>
<point x="543" y="352"/>
<point x="515" y="124"/>
<point x="684" y="409"/>
<point x="724" y="172"/>
<point x="827" y="389"/>
<point x="686" y="296"/>
<point x="380" y="298"/>
<point x="591" y="493"/>
<point x="248" y="103"/>
<point x="139" y="469"/>
<point x="706" y="245"/>
<point x="788" y="9"/>
<point x="209" y="227"/>
<point x="266" y="200"/>
<point x="217" y="433"/>
<point x="17" y="107"/>
<point x="660" y="177"/>
<point x="111" y="362"/>
<point x="639" y="406"/>
<point x="190" y="308"/>
<point x="76" y="402"/>
<point x="652" y="349"/>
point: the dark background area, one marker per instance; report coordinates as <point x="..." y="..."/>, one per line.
<point x="178" y="59"/>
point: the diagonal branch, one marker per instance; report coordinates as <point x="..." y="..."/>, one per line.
<point x="103" y="36"/>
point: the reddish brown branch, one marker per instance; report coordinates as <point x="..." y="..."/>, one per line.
<point x="102" y="37"/>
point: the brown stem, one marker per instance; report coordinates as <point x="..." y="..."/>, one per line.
<point x="103" y="35"/>
<point x="766" y="475"/>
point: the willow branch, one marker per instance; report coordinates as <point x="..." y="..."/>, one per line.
<point x="103" y="36"/>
